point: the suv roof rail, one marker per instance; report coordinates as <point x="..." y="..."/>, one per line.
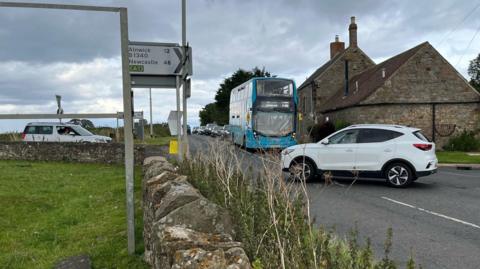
<point x="48" y="123"/>
<point x="377" y="125"/>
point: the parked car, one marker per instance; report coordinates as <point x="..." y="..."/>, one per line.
<point x="201" y="130"/>
<point x="397" y="153"/>
<point x="209" y="129"/>
<point x="60" y="132"/>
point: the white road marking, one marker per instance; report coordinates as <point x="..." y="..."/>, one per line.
<point x="457" y="174"/>
<point x="431" y="212"/>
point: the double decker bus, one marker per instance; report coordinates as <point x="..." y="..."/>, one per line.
<point x="263" y="113"/>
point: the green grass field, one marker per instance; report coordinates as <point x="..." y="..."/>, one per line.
<point x="456" y="157"/>
<point x="49" y="211"/>
<point x="159" y="141"/>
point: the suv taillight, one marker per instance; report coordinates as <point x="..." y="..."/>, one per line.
<point x="23" y="136"/>
<point x="424" y="147"/>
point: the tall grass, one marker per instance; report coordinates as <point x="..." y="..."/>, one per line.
<point x="11" y="136"/>
<point x="272" y="215"/>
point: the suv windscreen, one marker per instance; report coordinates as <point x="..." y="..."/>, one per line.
<point x="376" y="135"/>
<point x="345" y="137"/>
<point x="81" y="131"/>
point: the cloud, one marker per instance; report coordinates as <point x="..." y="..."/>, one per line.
<point x="76" y="54"/>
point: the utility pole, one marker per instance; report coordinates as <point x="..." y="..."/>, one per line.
<point x="59" y="104"/>
<point x="184" y="76"/>
<point x="151" y="117"/>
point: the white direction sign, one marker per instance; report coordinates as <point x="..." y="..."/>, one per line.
<point x="173" y="122"/>
<point x="163" y="59"/>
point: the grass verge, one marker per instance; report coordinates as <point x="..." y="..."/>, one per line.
<point x="54" y="210"/>
<point x="457" y="157"/>
<point x="159" y="141"/>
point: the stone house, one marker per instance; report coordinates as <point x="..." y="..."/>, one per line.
<point x="417" y="88"/>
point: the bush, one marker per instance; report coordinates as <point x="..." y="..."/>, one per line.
<point x="320" y="131"/>
<point x="466" y="141"/>
<point x="272" y="216"/>
<point x="340" y="124"/>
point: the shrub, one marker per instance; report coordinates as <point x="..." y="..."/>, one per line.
<point x="466" y="141"/>
<point x="320" y="131"/>
<point x="340" y="124"/>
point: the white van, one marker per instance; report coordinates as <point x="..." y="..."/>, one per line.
<point x="60" y="132"/>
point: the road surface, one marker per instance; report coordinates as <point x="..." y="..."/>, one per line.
<point x="437" y="218"/>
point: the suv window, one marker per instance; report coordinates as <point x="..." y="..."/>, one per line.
<point x="376" y="135"/>
<point x="30" y="130"/>
<point x="44" y="129"/>
<point x="420" y="136"/>
<point x="345" y="137"/>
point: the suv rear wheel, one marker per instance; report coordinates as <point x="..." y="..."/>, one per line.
<point x="399" y="175"/>
<point x="301" y="170"/>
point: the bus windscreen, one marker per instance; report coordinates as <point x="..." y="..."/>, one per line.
<point x="273" y="123"/>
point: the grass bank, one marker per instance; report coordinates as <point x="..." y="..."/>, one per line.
<point x="457" y="157"/>
<point x="55" y="210"/>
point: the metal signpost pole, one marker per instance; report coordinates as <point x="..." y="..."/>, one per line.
<point x="151" y="121"/>
<point x="179" y="124"/>
<point x="128" y="131"/>
<point x="184" y="72"/>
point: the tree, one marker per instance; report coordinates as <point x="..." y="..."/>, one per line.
<point x="474" y="72"/>
<point x="82" y="122"/>
<point x="219" y="111"/>
<point x="208" y="114"/>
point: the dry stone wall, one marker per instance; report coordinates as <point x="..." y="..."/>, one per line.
<point x="112" y="153"/>
<point x="183" y="229"/>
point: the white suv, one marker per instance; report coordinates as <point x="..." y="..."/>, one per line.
<point x="398" y="153"/>
<point x="60" y="132"/>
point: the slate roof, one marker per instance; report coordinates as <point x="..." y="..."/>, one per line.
<point x="369" y="81"/>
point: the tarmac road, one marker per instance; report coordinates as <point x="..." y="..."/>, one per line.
<point x="437" y="219"/>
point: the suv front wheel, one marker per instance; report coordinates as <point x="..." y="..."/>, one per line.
<point x="302" y="170"/>
<point x="399" y="175"/>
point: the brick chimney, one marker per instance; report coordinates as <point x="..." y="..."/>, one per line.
<point x="352" y="29"/>
<point x="336" y="47"/>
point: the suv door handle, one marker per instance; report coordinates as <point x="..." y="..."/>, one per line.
<point x="387" y="150"/>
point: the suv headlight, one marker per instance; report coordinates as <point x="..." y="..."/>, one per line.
<point x="287" y="151"/>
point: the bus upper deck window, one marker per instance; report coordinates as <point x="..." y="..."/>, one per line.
<point x="275" y="87"/>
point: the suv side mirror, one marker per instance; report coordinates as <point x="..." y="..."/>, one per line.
<point x="325" y="141"/>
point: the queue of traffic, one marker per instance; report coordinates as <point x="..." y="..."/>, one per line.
<point x="212" y="129"/>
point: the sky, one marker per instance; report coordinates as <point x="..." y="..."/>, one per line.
<point x="76" y="54"/>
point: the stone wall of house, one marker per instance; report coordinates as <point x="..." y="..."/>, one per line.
<point x="182" y="229"/>
<point x="326" y="85"/>
<point x="112" y="153"/>
<point x="449" y="117"/>
<point x="333" y="79"/>
<point x="426" y="77"/>
<point x="307" y="118"/>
